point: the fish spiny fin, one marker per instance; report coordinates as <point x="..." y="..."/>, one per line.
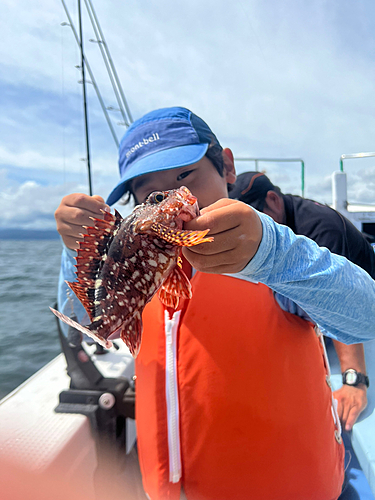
<point x="168" y="299"/>
<point x="100" y="340"/>
<point x="179" y="236"/>
<point x="131" y="334"/>
<point x="178" y="284"/>
<point x="90" y="257"/>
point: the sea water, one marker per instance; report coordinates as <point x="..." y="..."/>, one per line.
<point x="28" y="285"/>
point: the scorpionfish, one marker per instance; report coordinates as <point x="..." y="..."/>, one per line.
<point x="122" y="263"/>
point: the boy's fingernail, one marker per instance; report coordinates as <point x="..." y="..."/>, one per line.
<point x="107" y="208"/>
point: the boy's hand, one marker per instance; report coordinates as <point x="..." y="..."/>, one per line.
<point x="237" y="232"/>
<point x="74" y="212"/>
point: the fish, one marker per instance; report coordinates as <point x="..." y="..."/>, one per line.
<point x="122" y="263"/>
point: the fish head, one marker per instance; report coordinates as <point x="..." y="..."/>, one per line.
<point x="169" y="208"/>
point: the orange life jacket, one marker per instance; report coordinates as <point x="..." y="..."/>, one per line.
<point x="233" y="400"/>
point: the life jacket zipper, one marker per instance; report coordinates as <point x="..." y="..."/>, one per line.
<point x="334" y="403"/>
<point x="171" y="389"/>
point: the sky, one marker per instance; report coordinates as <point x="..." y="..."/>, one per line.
<point x="275" y="79"/>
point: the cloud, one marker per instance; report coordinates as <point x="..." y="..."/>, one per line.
<point x="272" y="79"/>
<point x="361" y="185"/>
<point x="30" y="205"/>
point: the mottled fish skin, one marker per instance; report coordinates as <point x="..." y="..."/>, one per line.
<point x="122" y="263"/>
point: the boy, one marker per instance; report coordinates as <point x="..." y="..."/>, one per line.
<point x="232" y="392"/>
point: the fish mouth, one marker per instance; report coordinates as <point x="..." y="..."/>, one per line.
<point x="189" y="212"/>
<point x="190" y="208"/>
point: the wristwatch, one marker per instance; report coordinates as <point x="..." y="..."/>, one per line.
<point x="354" y="378"/>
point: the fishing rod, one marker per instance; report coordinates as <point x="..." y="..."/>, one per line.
<point x="85" y="112"/>
<point x="111" y="70"/>
<point x="92" y="78"/>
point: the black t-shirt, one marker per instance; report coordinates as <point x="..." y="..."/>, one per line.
<point x="330" y="229"/>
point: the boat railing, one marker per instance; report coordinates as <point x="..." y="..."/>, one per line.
<point x="279" y="160"/>
<point x="353" y="156"/>
<point x="339" y="183"/>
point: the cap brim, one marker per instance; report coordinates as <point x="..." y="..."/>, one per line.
<point x="157" y="162"/>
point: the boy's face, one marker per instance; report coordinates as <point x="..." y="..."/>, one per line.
<point x="202" y="179"/>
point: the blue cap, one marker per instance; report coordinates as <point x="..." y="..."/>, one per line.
<point x="161" y="140"/>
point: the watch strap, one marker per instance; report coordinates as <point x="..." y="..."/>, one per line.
<point x="363" y="379"/>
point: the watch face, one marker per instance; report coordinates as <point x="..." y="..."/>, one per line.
<point x="351" y="377"/>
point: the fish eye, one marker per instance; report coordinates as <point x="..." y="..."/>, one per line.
<point x="156" y="197"/>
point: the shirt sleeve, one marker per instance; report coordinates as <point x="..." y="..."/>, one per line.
<point x="338" y="295"/>
<point x="67" y="301"/>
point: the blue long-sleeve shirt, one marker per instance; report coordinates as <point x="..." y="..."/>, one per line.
<point x="336" y="294"/>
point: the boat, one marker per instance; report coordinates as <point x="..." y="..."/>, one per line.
<point x="78" y="410"/>
<point x="65" y="418"/>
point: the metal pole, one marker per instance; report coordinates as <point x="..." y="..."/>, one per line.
<point x="107" y="117"/>
<point x="84" y="98"/>
<point x="111" y="64"/>
<point x="303" y="178"/>
<point x="101" y="42"/>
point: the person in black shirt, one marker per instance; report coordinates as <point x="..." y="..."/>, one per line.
<point x="330" y="229"/>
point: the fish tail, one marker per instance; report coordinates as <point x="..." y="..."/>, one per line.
<point x="103" y="342"/>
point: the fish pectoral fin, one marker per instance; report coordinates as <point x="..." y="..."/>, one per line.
<point x="131" y="334"/>
<point x="176" y="286"/>
<point x="179" y="236"/>
<point x="142" y="226"/>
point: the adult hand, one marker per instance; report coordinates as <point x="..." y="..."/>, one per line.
<point x="74" y="212"/>
<point x="237" y="232"/>
<point x="351" y="402"/>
